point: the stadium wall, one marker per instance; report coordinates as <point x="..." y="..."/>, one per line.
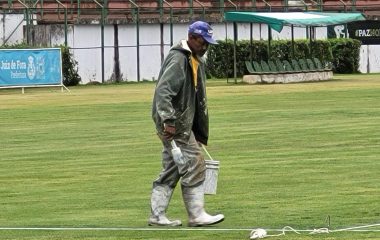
<point x="11" y="28"/>
<point x="154" y="43"/>
<point x="85" y="41"/>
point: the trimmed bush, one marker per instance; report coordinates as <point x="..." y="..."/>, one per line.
<point x="69" y="68"/>
<point x="343" y="53"/>
<point x="346" y="52"/>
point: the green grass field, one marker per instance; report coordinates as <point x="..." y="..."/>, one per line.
<point x="290" y="155"/>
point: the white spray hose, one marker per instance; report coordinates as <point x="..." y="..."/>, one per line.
<point x="208" y="154"/>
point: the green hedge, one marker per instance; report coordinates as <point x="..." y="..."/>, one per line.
<point x="69" y="68"/>
<point x="344" y="54"/>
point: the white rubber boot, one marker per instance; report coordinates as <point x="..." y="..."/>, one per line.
<point x="193" y="198"/>
<point x="160" y="199"/>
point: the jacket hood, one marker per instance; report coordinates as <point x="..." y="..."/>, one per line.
<point x="184" y="47"/>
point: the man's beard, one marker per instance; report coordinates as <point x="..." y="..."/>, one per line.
<point x="201" y="54"/>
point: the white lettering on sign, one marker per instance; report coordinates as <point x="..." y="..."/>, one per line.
<point x="367" y="32"/>
<point x="21" y="65"/>
<point x="5" y="65"/>
<point x="18" y="75"/>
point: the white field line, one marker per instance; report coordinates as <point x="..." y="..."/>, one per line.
<point x="353" y="229"/>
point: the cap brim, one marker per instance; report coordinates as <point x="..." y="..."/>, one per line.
<point x="210" y="40"/>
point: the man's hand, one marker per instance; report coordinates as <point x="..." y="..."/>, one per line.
<point x="169" y="131"/>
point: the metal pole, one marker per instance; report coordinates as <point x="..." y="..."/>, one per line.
<point x="171" y="27"/>
<point x="235" y="39"/>
<point x="105" y="4"/>
<point x="116" y="53"/>
<point x="170" y="21"/>
<point x="311" y="41"/>
<point x="78" y="9"/>
<point x="161" y="9"/>
<point x="221" y="6"/>
<point x="269" y="41"/>
<point x="65" y="20"/>
<point x="191" y="11"/>
<point x="353" y="8"/>
<point x="251" y="42"/>
<point x="162" y="43"/>
<point x="65" y="27"/>
<point x="27" y="26"/>
<point x="203" y="8"/>
<point x="102" y="35"/>
<point x="346" y="30"/>
<point x="292" y="28"/>
<point x="137" y="38"/>
<point x="138" y="43"/>
<point x="254" y="5"/>
<point x="228" y="55"/>
<point x="102" y="42"/>
<point x="26" y="17"/>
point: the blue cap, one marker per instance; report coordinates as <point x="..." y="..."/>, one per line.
<point x="203" y="29"/>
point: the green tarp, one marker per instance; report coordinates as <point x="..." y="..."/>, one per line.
<point x="277" y="20"/>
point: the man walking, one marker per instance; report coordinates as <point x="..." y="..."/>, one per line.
<point x="180" y="114"/>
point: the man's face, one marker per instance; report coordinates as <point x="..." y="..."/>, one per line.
<point x="198" y="45"/>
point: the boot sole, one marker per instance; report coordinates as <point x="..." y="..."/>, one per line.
<point x="164" y="225"/>
<point x="205" y="224"/>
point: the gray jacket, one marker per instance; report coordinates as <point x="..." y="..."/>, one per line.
<point x="176" y="102"/>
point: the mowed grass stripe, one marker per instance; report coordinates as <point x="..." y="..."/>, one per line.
<point x="289" y="154"/>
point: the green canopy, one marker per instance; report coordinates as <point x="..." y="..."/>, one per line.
<point x="277" y="20"/>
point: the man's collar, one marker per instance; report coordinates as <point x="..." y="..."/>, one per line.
<point x="185" y="45"/>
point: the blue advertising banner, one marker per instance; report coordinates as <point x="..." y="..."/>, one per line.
<point x="28" y="67"/>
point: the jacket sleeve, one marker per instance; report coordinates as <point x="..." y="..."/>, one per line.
<point x="173" y="75"/>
